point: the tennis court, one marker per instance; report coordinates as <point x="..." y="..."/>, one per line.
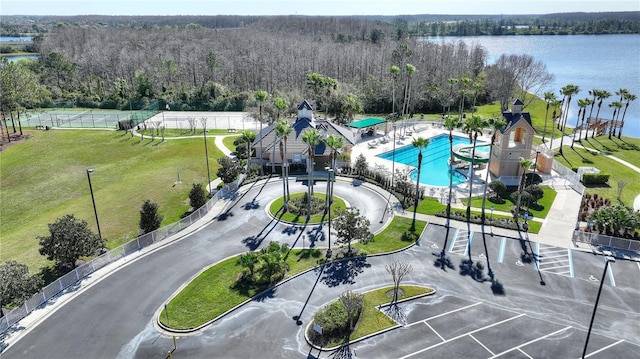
<point x="83" y="118"/>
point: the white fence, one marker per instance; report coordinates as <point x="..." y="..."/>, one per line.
<point x="72" y="278"/>
<point x="569" y="175"/>
<point x="606" y="241"/>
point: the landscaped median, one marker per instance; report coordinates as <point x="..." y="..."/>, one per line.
<point x="217" y="290"/>
<point x="376" y="316"/>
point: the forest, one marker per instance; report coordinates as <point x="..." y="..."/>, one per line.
<point x="219" y="62"/>
<point x="200" y="68"/>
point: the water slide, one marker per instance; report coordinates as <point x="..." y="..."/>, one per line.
<point x="464" y="151"/>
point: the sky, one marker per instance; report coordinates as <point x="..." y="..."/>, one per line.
<point x="308" y="7"/>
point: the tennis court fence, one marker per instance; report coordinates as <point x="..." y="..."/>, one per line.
<point x="88" y="119"/>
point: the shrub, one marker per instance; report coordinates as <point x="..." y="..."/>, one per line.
<point x="196" y="196"/>
<point x="595" y="178"/>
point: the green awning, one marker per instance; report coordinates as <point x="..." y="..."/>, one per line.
<point x="366" y="122"/>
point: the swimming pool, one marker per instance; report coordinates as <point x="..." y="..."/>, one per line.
<point x="435" y="160"/>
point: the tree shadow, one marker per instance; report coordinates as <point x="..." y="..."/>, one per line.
<point x="344" y="271"/>
<point x="442" y="260"/>
<point x="396" y="312"/>
<point x="314" y="235"/>
<point x="253" y="242"/>
<point x="252" y="205"/>
<point x="473" y="270"/>
<point x="344" y="351"/>
<point x="266" y="294"/>
<point x="296" y="318"/>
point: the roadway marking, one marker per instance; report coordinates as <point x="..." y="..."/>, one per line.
<point x="531" y="342"/>
<point x="605" y="348"/>
<point x="638" y="263"/>
<point x="433" y="330"/>
<point x="453" y="240"/>
<point x="461" y="335"/>
<point x="554" y="260"/>
<point x="462" y="242"/>
<point x="525" y="354"/>
<point x="445" y="313"/>
<point x="610" y="273"/>
<point x="434" y="246"/>
<point x="503" y="245"/>
<point x="484" y="346"/>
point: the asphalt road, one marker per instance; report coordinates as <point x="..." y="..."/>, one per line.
<point x="511" y="314"/>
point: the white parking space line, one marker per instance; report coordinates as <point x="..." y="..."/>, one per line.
<point x="604" y="348"/>
<point x="461" y="335"/>
<point x="433" y="330"/>
<point x="610" y="273"/>
<point x="523" y="352"/>
<point x="484" y="346"/>
<point x="531" y="342"/>
<point x="554" y="260"/>
<point x="445" y="313"/>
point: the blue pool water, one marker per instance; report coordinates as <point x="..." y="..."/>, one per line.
<point x="435" y="160"/>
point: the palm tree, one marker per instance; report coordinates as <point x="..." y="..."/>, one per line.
<point x="526" y="165"/>
<point x="249" y="136"/>
<point x="617" y="105"/>
<point x="260" y="96"/>
<point x="452" y="82"/>
<point x="394" y="71"/>
<point x="567" y="91"/>
<point x="410" y="69"/>
<point x="465" y="83"/>
<point x="496" y="124"/>
<point x="594" y="93"/>
<point x="419" y="143"/>
<point x="555" y="103"/>
<point x="283" y="129"/>
<point x="351" y="105"/>
<point x="548" y="97"/>
<point x="601" y="95"/>
<point x="629" y="97"/>
<point x="336" y="143"/>
<point x="450" y="124"/>
<point x="478" y="86"/>
<point x="583" y="110"/>
<point x="474" y="126"/>
<point x="312" y="138"/>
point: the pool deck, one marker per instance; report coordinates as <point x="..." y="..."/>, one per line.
<point x="371" y="152"/>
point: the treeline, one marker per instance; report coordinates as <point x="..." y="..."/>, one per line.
<point x="201" y="68"/>
<point x="537" y="26"/>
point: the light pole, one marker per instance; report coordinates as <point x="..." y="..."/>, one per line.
<point x="330" y="201"/>
<point x="491" y="219"/>
<point x="607" y="260"/>
<point x="525" y="226"/>
<point x="93" y="200"/>
<point x="206" y="154"/>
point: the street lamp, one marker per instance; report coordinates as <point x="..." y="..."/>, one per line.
<point x="206" y="154"/>
<point x="93" y="200"/>
<point x="607" y="260"/>
<point x="330" y="201"/>
<point x="525" y="226"/>
<point x="491" y="219"/>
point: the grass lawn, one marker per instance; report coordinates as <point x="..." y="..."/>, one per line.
<point x="45" y="178"/>
<point x="534" y="226"/>
<point x="277" y="206"/>
<point x="228" y="142"/>
<point x="545" y="202"/>
<point x="578" y="157"/>
<point x="396" y="235"/>
<point x="192" y="306"/>
<point x="626" y="148"/>
<point x="175" y="132"/>
<point x="374" y="320"/>
<point x="430" y="206"/>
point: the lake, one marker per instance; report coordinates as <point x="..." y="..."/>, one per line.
<point x="608" y="62"/>
<point x="15" y="38"/>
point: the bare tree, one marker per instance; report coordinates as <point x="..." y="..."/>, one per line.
<point x="192" y="124"/>
<point x="353" y="303"/>
<point x="398" y="270"/>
